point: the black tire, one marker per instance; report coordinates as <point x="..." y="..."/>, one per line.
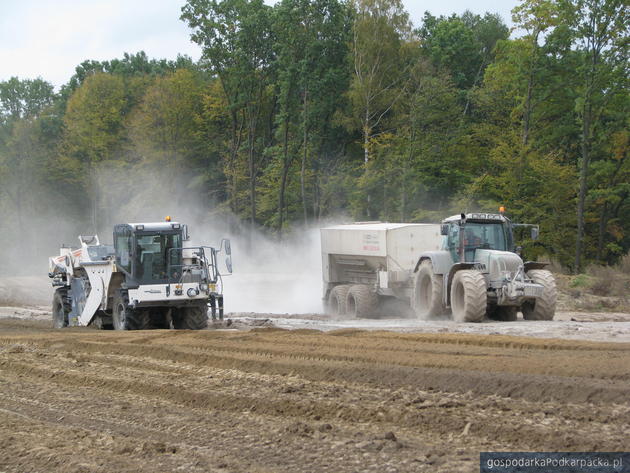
<point x="469" y="299"/>
<point x="337" y="300"/>
<point x="428" y="292"/>
<point x="61" y="307"/>
<point x="502" y="313"/>
<point x="158" y="319"/>
<point x="361" y="301"/>
<point x="126" y="318"/>
<point x="191" y="318"/>
<point x="544" y="307"/>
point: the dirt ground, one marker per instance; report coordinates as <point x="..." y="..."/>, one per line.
<point x="265" y="399"/>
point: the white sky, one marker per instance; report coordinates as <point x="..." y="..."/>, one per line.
<point x="49" y="38"/>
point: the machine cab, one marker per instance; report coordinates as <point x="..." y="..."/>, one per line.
<point x="467" y="233"/>
<point x="149" y="253"/>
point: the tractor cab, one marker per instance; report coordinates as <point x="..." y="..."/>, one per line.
<point x="467" y="233"/>
<point x="150" y="253"/>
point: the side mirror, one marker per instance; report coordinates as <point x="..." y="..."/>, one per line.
<point x="228" y="264"/>
<point x="534" y="233"/>
<point x="444" y="229"/>
<point x="228" y="247"/>
<point x="518" y="250"/>
<point x="185" y="235"/>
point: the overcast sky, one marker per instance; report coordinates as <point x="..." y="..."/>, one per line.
<point x="49" y="38"/>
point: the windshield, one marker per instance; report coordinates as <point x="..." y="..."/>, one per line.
<point x="152" y="251"/>
<point x="484" y="235"/>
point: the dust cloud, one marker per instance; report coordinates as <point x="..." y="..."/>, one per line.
<point x="269" y="275"/>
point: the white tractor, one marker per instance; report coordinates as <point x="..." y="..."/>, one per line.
<point x="147" y="279"/>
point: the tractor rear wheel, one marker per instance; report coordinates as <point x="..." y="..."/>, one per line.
<point x="126" y="318"/>
<point x="337" y="300"/>
<point x="469" y="298"/>
<point x="543" y="307"/>
<point x="428" y="292"/>
<point x="191" y="318"/>
<point x="61" y="307"/>
<point x="361" y="301"/>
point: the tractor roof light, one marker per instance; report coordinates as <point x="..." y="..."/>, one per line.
<point x="502" y="210"/>
<point x="168" y="218"/>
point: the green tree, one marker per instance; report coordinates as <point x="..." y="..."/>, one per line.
<point x="24" y="98"/>
<point x="310" y="54"/>
<point x="380" y="70"/>
<point x="600" y="31"/>
<point x="462" y="45"/>
<point x="236" y="39"/>
<point x="165" y="128"/>
<point x="94" y="130"/>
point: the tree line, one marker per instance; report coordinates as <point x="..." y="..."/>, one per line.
<point x="316" y="108"/>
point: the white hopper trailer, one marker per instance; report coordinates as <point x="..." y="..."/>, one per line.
<point x="365" y="262"/>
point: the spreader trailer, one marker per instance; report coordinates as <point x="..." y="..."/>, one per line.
<point x="149" y="278"/>
<point x="468" y="266"/>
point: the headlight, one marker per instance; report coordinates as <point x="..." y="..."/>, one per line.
<point x="203" y="287"/>
<point x="192" y="292"/>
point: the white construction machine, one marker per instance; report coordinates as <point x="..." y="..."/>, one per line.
<point x="468" y="265"/>
<point x="147" y="279"/>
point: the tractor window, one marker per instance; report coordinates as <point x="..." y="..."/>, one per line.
<point x="484" y="235"/>
<point x="152" y="255"/>
<point x="123" y="252"/>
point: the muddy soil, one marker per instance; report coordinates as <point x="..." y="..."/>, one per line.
<point x="593" y="326"/>
<point x="274" y="400"/>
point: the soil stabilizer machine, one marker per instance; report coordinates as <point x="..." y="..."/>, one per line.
<point x="148" y="279"/>
<point x="468" y="265"/>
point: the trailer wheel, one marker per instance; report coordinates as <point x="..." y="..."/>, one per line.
<point x="61" y="307"/>
<point x="191" y="318"/>
<point x="337" y="300"/>
<point x="544" y="307"/>
<point x="469" y="298"/>
<point x="126" y="318"/>
<point x="428" y="292"/>
<point x="502" y="313"/>
<point x="361" y="301"/>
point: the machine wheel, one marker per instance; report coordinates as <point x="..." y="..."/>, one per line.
<point x="469" y="298"/>
<point x="428" y="292"/>
<point x="337" y="300"/>
<point x="126" y="318"/>
<point x="502" y="313"/>
<point x="191" y="318"/>
<point x="361" y="301"/>
<point x="61" y="307"/>
<point x="544" y="307"/>
<point x="158" y="319"/>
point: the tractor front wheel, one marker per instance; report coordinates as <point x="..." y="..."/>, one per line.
<point x="543" y="307"/>
<point x="469" y="299"/>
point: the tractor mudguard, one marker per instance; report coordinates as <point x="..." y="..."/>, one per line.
<point x="441" y="261"/>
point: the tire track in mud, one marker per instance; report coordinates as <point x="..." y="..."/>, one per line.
<point x="279" y="401"/>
